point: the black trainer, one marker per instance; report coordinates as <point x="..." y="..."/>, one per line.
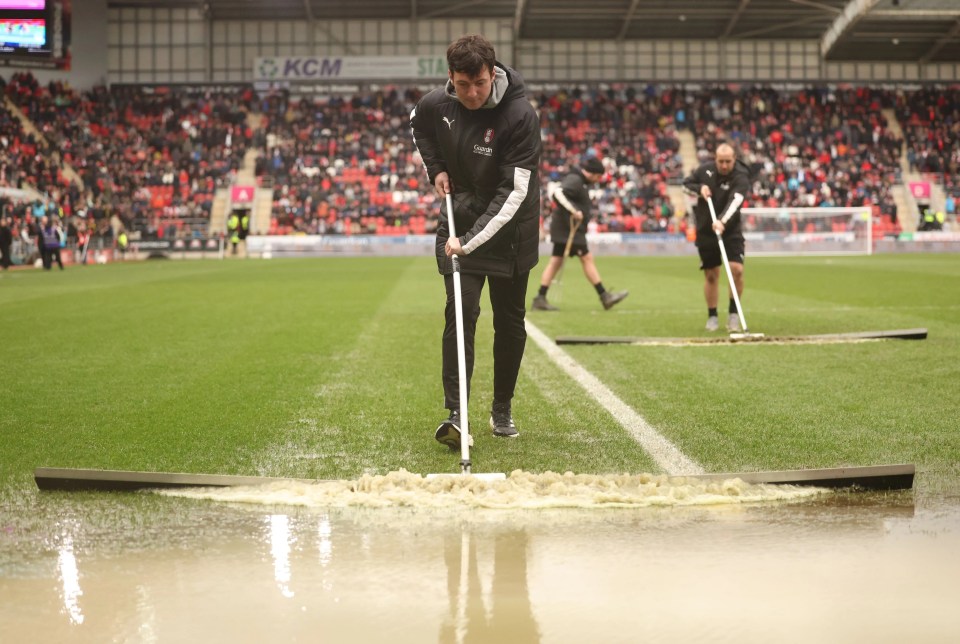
<point x="609" y="299"/>
<point x="502" y="422"/>
<point x="540" y="303"/>
<point x="449" y="432"/>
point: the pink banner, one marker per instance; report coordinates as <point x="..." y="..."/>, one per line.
<point x="242" y="194"/>
<point x="920" y="189"/>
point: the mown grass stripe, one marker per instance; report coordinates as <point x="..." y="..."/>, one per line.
<point x="665" y="453"/>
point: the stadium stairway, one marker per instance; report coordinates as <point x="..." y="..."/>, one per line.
<point x="262" y="211"/>
<point x="688" y="156"/>
<point x="254" y="120"/>
<point x="218" y="213"/>
<point x="907" y="208"/>
<point x="262" y="201"/>
<point x="688" y="151"/>
<point x="25" y="122"/>
<point x="263" y="196"/>
<point x="30" y="128"/>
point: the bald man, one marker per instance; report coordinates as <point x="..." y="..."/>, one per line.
<point x="727" y="181"/>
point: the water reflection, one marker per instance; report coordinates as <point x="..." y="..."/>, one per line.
<point x="280" y="551"/>
<point x="504" y="613"/>
<point x="865" y="567"/>
<point x="69" y="574"/>
<point x="146" y="616"/>
<point x="324" y="542"/>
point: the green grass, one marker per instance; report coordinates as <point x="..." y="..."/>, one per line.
<point x="330" y="368"/>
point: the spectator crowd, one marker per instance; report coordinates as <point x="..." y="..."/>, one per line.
<point x="151" y="159"/>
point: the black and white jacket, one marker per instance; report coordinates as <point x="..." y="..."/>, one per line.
<point x="729" y="193"/>
<point x="492" y="156"/>
<point x="573" y="191"/>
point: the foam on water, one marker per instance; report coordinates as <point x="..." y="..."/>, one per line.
<point x="520" y="490"/>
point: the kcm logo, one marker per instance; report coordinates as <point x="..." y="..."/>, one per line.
<point x="267" y="68"/>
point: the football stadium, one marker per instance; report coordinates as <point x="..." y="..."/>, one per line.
<point x="414" y="321"/>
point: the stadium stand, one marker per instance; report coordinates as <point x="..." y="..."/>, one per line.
<point x="810" y="148"/>
<point x="154" y="159"/>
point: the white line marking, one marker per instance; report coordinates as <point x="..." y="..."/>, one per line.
<point x="667" y="455"/>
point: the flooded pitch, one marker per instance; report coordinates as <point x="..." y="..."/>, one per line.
<point x="573" y="561"/>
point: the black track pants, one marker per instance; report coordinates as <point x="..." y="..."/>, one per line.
<point x="507" y="300"/>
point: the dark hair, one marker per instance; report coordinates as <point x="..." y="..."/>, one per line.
<point x="592" y="164"/>
<point x="471" y="55"/>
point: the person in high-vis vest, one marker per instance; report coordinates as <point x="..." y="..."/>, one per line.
<point x="122" y="242"/>
<point x="233" y="227"/>
<point x="244" y="230"/>
<point x="932" y="220"/>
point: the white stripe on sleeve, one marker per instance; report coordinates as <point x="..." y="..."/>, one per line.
<point x="732" y="208"/>
<point x="521" y="181"/>
<point x="561" y="198"/>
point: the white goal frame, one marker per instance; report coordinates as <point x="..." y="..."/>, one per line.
<point x="855" y="239"/>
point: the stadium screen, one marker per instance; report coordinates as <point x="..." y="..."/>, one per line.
<point x="30" y="5"/>
<point x="23" y="35"/>
<point x="34" y="32"/>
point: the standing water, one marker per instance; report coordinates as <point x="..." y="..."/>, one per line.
<point x="542" y="558"/>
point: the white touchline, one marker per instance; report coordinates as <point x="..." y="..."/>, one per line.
<point x="665" y="453"/>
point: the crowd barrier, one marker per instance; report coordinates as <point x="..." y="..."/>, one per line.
<point x="601" y="244"/>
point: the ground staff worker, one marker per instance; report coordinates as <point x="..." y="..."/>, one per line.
<point x="238" y="224"/>
<point x="727" y="181"/>
<point x="573" y="212"/>
<point x="479" y="138"/>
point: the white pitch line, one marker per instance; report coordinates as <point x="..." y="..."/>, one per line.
<point x="667" y="455"/>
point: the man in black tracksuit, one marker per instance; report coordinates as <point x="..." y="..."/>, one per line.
<point x="727" y="181"/>
<point x="571" y="216"/>
<point x="479" y="138"/>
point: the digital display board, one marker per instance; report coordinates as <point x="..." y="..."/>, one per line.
<point x="35" y="33"/>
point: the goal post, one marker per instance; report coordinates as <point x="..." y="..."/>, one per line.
<point x="808" y="231"/>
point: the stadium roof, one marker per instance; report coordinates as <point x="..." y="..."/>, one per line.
<point x="849" y="30"/>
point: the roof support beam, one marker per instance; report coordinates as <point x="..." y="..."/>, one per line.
<point x="817" y="5"/>
<point x="851" y="15"/>
<point x="735" y="18"/>
<point x="518" y="17"/>
<point x="940" y="42"/>
<point x="778" y="27"/>
<point x="627" y="19"/>
<point x="311" y="32"/>
<point x="452" y="8"/>
<point x="915" y="13"/>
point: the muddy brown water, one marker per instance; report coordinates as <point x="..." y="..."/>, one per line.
<point x="575" y="562"/>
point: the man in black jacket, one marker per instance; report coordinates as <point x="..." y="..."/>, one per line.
<point x="573" y="213"/>
<point x="479" y="138"/>
<point x="727" y="181"/>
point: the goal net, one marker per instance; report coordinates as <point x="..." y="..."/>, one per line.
<point x="807" y="231"/>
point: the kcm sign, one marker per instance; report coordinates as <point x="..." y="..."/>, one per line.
<point x="323" y="68"/>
